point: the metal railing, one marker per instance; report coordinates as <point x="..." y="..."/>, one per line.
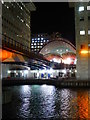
<point x="12" y="44"/>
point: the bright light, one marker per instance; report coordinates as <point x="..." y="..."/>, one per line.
<point x="84" y="51"/>
<point x="75" y="61"/>
<point x="26" y="71"/>
<point x="64" y="71"/>
<point x="15" y="71"/>
<point x="20" y="71"/>
<point x="41" y="38"/>
<point x="81" y="8"/>
<point x="88" y="7"/>
<point x="9" y="71"/>
<point x="67" y="61"/>
<point x="55" y="60"/>
<point x="75" y="70"/>
<point x="88" y="32"/>
<point x="2" y="2"/>
<point x="51" y="70"/>
<point x="82" y="32"/>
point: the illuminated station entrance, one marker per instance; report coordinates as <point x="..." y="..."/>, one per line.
<point x="60" y="51"/>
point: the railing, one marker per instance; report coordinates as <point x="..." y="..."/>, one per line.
<point x="12" y="44"/>
<point x="15" y="46"/>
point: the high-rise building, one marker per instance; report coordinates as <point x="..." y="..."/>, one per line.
<point x="38" y="41"/>
<point x="16" y="23"/>
<point x="82" y="29"/>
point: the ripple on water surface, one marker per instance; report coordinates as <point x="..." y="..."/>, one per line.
<point x="39" y="102"/>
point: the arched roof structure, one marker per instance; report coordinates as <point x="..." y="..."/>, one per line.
<point x="58" y="49"/>
<point x="58" y="46"/>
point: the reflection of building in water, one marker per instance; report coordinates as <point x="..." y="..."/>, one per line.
<point x="83" y="104"/>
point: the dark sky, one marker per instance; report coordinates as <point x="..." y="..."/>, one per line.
<point x="54" y="17"/>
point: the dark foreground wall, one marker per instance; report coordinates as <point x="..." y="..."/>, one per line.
<point x="60" y="82"/>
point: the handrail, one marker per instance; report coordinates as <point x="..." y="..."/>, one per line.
<point x="13" y="44"/>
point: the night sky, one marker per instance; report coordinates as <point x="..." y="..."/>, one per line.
<point x="54" y="17"/>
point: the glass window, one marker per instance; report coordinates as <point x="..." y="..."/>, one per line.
<point x="88" y="32"/>
<point x="81" y="18"/>
<point x="88" y="7"/>
<point x="38" y="38"/>
<point x="88" y="17"/>
<point x="41" y="38"/>
<point x="81" y="8"/>
<point x="82" y="32"/>
<point x="34" y="43"/>
<point x="41" y="43"/>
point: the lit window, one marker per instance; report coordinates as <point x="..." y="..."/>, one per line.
<point x="35" y="39"/>
<point x="32" y="47"/>
<point x="88" y="7"/>
<point x="34" y="43"/>
<point x="88" y="45"/>
<point x="41" y="38"/>
<point x="2" y="2"/>
<point x="88" y="32"/>
<point x="32" y="39"/>
<point x="38" y="43"/>
<point x="82" y="32"/>
<point x="81" y="8"/>
<point x="44" y="40"/>
<point x="38" y="38"/>
<point x="41" y="43"/>
<point x="22" y="20"/>
<point x="38" y="46"/>
<point x="67" y="50"/>
<point x="21" y="8"/>
<point x="7" y="7"/>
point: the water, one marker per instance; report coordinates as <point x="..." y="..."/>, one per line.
<point x="39" y="102"/>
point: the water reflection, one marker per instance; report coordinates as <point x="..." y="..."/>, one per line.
<point x="39" y="102"/>
<point x="82" y="101"/>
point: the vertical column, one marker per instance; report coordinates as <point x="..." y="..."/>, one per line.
<point x="81" y="28"/>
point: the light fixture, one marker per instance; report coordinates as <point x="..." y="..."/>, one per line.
<point x="84" y="51"/>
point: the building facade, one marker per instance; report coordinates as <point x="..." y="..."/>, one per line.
<point x="38" y="41"/>
<point x="16" y="23"/>
<point x="16" y="34"/>
<point x="82" y="29"/>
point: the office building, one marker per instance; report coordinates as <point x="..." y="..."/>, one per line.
<point x="16" y="23"/>
<point x="38" y="41"/>
<point x="82" y="29"/>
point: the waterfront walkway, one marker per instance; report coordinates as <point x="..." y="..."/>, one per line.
<point x="70" y="82"/>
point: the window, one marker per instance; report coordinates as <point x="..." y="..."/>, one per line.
<point x="81" y="18"/>
<point x="88" y="17"/>
<point x="82" y="46"/>
<point x="38" y="38"/>
<point x="88" y="45"/>
<point x="41" y="38"/>
<point x="34" y="43"/>
<point x="88" y="32"/>
<point x="82" y="32"/>
<point x="41" y="43"/>
<point x="81" y="8"/>
<point x="88" y="7"/>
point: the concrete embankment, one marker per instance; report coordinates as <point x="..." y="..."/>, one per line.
<point x="72" y="82"/>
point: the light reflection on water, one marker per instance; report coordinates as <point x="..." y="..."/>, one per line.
<point x="39" y="102"/>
